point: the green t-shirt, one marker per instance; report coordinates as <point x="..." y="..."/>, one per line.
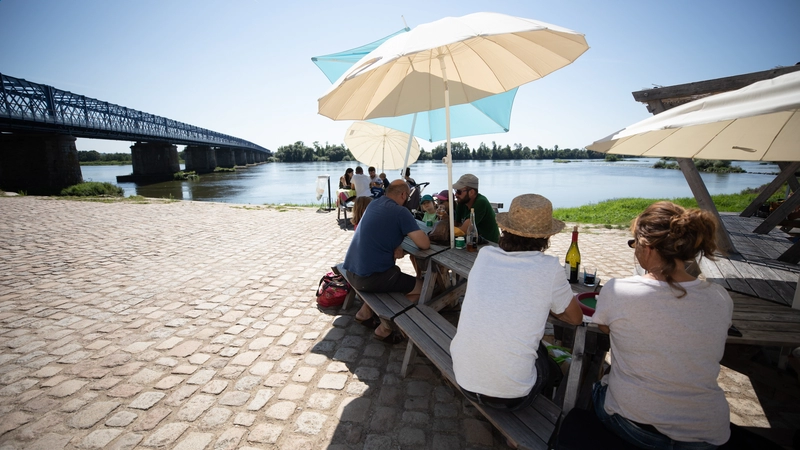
<point x="484" y="218"/>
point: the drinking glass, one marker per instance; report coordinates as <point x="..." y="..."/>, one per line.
<point x="589" y="275"/>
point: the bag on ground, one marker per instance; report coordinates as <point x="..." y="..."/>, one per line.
<point x="332" y="290"/>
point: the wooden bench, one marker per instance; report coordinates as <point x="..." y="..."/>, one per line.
<point x="387" y="305"/>
<point x="529" y="428"/>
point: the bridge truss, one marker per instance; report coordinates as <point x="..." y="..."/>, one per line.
<point x="27" y="106"/>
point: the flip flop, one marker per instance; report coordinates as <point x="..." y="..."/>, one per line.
<point x="395" y="337"/>
<point x="371" y="323"/>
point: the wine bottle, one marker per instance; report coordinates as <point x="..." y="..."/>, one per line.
<point x="472" y="233"/>
<point x="573" y="259"/>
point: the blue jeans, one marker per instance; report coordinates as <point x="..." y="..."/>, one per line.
<point x="634" y="434"/>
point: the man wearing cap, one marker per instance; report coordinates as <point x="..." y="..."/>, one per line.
<point x="370" y="258"/>
<point x="467" y="197"/>
<point x="498" y="358"/>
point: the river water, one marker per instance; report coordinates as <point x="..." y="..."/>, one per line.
<point x="565" y="184"/>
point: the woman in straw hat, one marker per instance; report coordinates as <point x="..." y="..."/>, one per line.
<point x="668" y="331"/>
<point x="498" y="358"/>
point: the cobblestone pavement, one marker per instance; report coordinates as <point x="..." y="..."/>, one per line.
<point x="193" y="325"/>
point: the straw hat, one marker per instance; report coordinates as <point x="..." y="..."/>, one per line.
<point x="530" y="215"/>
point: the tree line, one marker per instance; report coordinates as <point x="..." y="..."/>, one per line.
<point x="300" y="152"/>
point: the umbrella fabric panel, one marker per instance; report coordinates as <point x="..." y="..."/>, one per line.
<point x="379" y="146"/>
<point x="485" y="116"/>
<point x="404" y="74"/>
<point x="756" y="123"/>
<point x="335" y="65"/>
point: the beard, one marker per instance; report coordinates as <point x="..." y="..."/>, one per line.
<point x="463" y="201"/>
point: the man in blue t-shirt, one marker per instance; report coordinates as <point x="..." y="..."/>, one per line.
<point x="370" y="259"/>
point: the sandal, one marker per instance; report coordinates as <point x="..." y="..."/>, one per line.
<point x="395" y="337"/>
<point x="371" y="323"/>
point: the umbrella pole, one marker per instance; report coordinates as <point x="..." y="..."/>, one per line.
<point x="449" y="152"/>
<point x="408" y="147"/>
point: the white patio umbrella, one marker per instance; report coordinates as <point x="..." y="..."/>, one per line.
<point x="376" y="145"/>
<point x="759" y="122"/>
<point x="451" y="61"/>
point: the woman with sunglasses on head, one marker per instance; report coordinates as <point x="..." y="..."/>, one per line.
<point x="668" y="331"/>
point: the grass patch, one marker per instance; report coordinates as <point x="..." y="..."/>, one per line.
<point x="224" y="169"/>
<point x="93" y="189"/>
<point x="184" y="176"/>
<point x="619" y="213"/>
<point x="283" y="207"/>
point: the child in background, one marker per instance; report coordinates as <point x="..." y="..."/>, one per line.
<point x="444" y="205"/>
<point x="359" y="207"/>
<point x="429" y="207"/>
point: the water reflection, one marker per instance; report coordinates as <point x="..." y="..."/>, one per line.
<point x="565" y="184"/>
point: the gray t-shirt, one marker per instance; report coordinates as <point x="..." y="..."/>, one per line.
<point x="665" y="354"/>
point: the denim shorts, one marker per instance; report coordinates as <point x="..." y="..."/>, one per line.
<point x="634" y="433"/>
<point x="392" y="280"/>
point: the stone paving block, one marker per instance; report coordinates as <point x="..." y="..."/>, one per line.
<point x="104" y="384"/>
<point x="260" y="343"/>
<point x="169" y="382"/>
<point x="412" y="437"/>
<point x="13" y="421"/>
<point x="95" y="412"/>
<point x="179" y="395"/>
<point x="18" y="387"/>
<point x="54" y="381"/>
<point x="184" y="370"/>
<point x="245" y="359"/>
<point x="261" y="398"/>
<point x="281" y="410"/>
<point x="126" y="442"/>
<point x="185" y="349"/>
<point x="165" y="435"/>
<point x="354" y="409"/>
<point x="50" y="441"/>
<point x="334" y="381"/>
<point x="146" y="400"/>
<point x="194" y="407"/>
<point x="235" y="398"/>
<point x="151" y="419"/>
<point x="121" y="419"/>
<point x="477" y="432"/>
<point x="247" y="383"/>
<point x="67" y="388"/>
<point x="215" y="387"/>
<point x="99" y="438"/>
<point x="195" y="441"/>
<point x="202" y="376"/>
<point x="310" y="423"/>
<point x="199" y="358"/>
<point x="261" y="368"/>
<point x="229" y="439"/>
<point x="145" y="376"/>
<point x="215" y="417"/>
<point x="40" y="404"/>
<point x="292" y="392"/>
<point x="124" y="390"/>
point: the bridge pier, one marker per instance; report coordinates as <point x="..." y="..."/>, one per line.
<point x="200" y="158"/>
<point x="251" y="159"/>
<point x="152" y="161"/>
<point x="241" y="157"/>
<point x="225" y="157"/>
<point x="38" y="163"/>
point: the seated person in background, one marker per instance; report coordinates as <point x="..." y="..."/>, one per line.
<point x="375" y="183"/>
<point x="429" y="208"/>
<point x="467" y="197"/>
<point x="382" y="176"/>
<point x="443" y="204"/>
<point x="409" y="180"/>
<point x="498" y="358"/>
<point x="361" y="183"/>
<point x="344" y="180"/>
<point x="370" y="259"/>
<point x="359" y="206"/>
<point x="668" y="331"/>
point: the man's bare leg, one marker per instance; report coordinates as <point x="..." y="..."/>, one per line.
<point x="364" y="313"/>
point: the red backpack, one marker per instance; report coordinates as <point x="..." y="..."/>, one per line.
<point x="332" y="290"/>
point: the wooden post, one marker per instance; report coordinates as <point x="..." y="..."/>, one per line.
<point x="699" y="189"/>
<point x="787" y="174"/>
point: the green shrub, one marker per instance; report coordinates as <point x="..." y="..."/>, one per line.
<point x="93" y="189"/>
<point x="183" y="176"/>
<point x="224" y="169"/>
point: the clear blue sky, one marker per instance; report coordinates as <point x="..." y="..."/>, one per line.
<point x="242" y="67"/>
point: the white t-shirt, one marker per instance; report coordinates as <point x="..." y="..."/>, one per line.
<point x="376" y="179"/>
<point x="360" y="183"/>
<point x="508" y="299"/>
<point x="665" y="354"/>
